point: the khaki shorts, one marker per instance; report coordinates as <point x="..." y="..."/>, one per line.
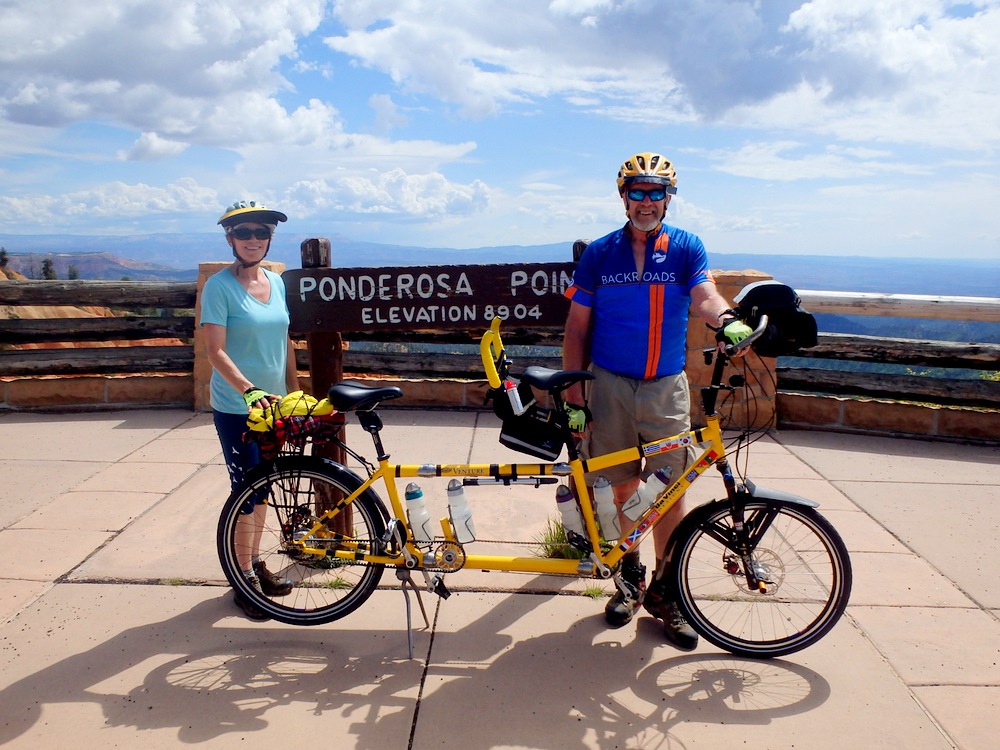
<point x="629" y="412"/>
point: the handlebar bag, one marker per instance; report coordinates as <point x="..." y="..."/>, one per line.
<point x="535" y="432"/>
<point x="789" y="327"/>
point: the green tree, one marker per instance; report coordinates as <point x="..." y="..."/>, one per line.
<point x="73" y="273"/>
<point x="3" y="257"/>
<point x="48" y="271"/>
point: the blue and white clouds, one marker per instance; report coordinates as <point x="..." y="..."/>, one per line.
<point x="441" y="121"/>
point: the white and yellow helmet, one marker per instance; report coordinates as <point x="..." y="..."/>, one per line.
<point x="250" y="212"/>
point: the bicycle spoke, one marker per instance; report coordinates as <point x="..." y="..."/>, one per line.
<point x="802" y="568"/>
<point x="295" y="545"/>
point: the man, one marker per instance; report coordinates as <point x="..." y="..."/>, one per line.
<point x="628" y="318"/>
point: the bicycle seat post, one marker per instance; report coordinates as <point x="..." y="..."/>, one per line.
<point x="371" y="423"/>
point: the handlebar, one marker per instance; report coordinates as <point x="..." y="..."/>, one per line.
<point x="491" y="351"/>
<point x="495" y="363"/>
<point x="736" y="349"/>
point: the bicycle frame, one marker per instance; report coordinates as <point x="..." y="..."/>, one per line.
<point x="598" y="564"/>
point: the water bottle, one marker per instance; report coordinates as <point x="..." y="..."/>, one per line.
<point x="568" y="512"/>
<point x="607" y="511"/>
<point x="514" y="396"/>
<point x="645" y="495"/>
<point x="461" y="514"/>
<point x="420" y="519"/>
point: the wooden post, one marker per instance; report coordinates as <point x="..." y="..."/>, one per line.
<point x="326" y="367"/>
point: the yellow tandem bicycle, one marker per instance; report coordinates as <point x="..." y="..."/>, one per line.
<point x="758" y="573"/>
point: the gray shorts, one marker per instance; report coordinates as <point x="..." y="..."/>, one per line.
<point x="630" y="412"/>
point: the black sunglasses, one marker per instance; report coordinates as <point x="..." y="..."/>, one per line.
<point x="245" y="233"/>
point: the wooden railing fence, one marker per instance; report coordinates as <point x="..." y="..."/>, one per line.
<point x="174" y="301"/>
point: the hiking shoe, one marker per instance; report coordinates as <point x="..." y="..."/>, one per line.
<point x="677" y="629"/>
<point x="251" y="610"/>
<point x="270" y="584"/>
<point x="618" y="611"/>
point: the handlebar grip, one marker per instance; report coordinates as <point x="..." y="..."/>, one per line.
<point x="732" y="349"/>
<point x="491" y="347"/>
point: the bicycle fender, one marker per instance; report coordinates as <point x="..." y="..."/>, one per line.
<point x="766" y="493"/>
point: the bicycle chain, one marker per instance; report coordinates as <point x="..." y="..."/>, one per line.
<point x="456" y="560"/>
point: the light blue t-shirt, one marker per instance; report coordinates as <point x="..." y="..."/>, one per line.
<point x="256" y="336"/>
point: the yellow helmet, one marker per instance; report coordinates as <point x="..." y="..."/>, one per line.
<point x="250" y="211"/>
<point x="648" y="167"/>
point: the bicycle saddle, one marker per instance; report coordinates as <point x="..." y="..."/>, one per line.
<point x="348" y="396"/>
<point x="552" y="380"/>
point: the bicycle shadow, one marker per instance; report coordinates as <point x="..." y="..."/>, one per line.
<point x="205" y="675"/>
<point x="580" y="686"/>
<point x="197" y="674"/>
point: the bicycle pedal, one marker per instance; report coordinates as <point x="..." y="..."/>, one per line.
<point x="629" y="590"/>
<point x="579" y="542"/>
<point x="439" y="588"/>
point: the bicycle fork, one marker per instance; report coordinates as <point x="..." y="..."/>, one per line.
<point x="742" y="538"/>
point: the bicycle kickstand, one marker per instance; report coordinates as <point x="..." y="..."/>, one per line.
<point x="406" y="580"/>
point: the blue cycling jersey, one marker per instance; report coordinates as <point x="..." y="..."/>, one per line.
<point x="640" y="325"/>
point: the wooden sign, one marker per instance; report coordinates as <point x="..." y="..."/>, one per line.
<point x="427" y="297"/>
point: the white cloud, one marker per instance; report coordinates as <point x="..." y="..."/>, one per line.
<point x="183" y="71"/>
<point x="151" y="147"/>
<point x="458" y="53"/>
<point x="789" y="161"/>
<point x="111" y="201"/>
<point x="784" y="96"/>
<point x="900" y="70"/>
<point x="424" y="196"/>
<point x="387" y="115"/>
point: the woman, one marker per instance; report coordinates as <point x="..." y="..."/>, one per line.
<point x="245" y="318"/>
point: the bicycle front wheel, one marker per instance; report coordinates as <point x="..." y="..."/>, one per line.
<point x="287" y="497"/>
<point x="798" y="557"/>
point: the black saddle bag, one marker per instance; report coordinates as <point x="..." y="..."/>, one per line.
<point x="534" y="432"/>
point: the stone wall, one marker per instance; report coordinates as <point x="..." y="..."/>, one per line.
<point x="891" y="418"/>
<point x="169" y="390"/>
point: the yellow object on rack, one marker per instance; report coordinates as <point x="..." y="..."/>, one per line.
<point x="295" y="403"/>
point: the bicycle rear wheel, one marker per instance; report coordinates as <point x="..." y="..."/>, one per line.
<point x="287" y="492"/>
<point x="798" y="555"/>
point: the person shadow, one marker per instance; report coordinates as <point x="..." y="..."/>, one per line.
<point x="205" y="675"/>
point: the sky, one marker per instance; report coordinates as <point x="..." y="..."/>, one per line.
<point x="831" y="127"/>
